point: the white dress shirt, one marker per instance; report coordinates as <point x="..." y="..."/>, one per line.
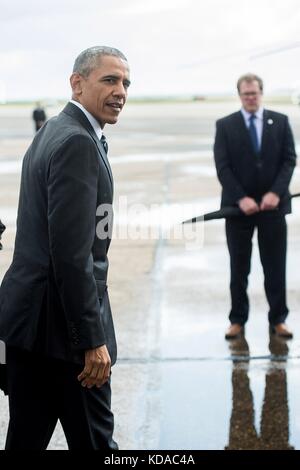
<point x="258" y="122"/>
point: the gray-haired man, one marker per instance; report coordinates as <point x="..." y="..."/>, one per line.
<point x="55" y="315"/>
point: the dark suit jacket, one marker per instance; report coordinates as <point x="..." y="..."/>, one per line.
<point x="242" y="172"/>
<point x="53" y="297"/>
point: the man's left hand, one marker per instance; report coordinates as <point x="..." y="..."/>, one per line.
<point x="269" y="202"/>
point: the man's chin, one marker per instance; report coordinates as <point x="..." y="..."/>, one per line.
<point x="112" y="120"/>
<point x="252" y="109"/>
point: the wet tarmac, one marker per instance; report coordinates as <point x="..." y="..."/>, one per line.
<point x="178" y="384"/>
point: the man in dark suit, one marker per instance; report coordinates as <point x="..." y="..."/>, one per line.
<point x="39" y="117"/>
<point x="55" y="315"/>
<point x="2" y="228"/>
<point x="255" y="158"/>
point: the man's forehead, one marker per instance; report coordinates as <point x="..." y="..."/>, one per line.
<point x="246" y="83"/>
<point x="116" y="67"/>
<point x="110" y="60"/>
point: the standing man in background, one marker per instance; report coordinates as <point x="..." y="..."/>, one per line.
<point x="2" y="228"/>
<point x="39" y="116"/>
<point x="55" y="315"/>
<point x="255" y="158"/>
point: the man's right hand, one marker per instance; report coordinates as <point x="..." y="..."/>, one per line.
<point x="97" y="367"/>
<point x="248" y="205"/>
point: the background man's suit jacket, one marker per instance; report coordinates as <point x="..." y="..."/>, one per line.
<point x="244" y="173"/>
<point x="54" y="298"/>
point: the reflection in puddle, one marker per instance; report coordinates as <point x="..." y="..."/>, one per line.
<point x="274" y="424"/>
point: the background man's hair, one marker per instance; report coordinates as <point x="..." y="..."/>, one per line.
<point x="250" y="77"/>
<point x="90" y="58"/>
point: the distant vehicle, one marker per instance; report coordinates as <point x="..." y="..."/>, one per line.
<point x="198" y="98"/>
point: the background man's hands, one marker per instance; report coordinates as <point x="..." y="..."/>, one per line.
<point x="248" y="205"/>
<point x="269" y="202"/>
<point x="97" y="367"/>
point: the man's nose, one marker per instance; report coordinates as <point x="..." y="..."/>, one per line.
<point x="120" y="90"/>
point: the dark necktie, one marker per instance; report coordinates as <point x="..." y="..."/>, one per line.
<point x="104" y="143"/>
<point x="253" y="133"/>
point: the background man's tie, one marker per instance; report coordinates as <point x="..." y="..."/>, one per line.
<point x="253" y="133"/>
<point x="104" y="143"/>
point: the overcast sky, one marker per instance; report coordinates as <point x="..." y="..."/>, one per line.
<point x="173" y="46"/>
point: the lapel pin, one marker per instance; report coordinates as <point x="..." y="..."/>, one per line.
<point x="270" y="122"/>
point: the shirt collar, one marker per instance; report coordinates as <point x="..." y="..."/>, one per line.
<point x="94" y="123"/>
<point x="259" y="113"/>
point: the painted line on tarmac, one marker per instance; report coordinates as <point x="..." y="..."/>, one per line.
<point x="151" y="360"/>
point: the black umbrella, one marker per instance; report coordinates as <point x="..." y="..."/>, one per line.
<point x="229" y="211"/>
<point x="2" y="228"/>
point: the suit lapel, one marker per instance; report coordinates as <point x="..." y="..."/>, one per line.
<point x="77" y="114"/>
<point x="243" y="130"/>
<point x="103" y="155"/>
<point x="265" y="133"/>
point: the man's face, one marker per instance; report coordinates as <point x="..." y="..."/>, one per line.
<point x="104" y="92"/>
<point x="250" y="95"/>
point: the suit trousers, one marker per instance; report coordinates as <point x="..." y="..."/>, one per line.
<point x="44" y="390"/>
<point x="272" y="244"/>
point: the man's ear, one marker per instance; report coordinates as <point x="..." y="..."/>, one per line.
<point x="76" y="83"/>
